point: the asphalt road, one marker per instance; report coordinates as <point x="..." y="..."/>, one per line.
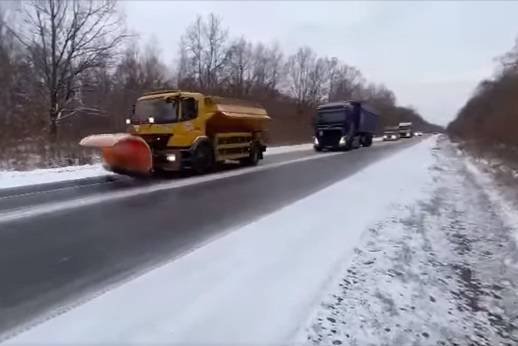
<point x="49" y="261"/>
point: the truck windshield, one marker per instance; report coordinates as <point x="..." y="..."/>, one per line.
<point x="331" y="116"/>
<point x="161" y="111"/>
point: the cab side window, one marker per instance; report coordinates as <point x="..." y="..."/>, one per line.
<point x="189" y="109"/>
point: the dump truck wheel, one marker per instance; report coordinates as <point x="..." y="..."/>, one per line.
<point x="367" y="141"/>
<point x="202" y="160"/>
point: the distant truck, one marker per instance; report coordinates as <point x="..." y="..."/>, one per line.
<point x="344" y="125"/>
<point x="172" y="130"/>
<point x="405" y="130"/>
<point x="391" y="133"/>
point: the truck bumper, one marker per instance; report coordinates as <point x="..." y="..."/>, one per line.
<point x="170" y="160"/>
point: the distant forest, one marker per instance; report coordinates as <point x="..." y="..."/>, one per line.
<point x="70" y="68"/>
<point x="489" y="119"/>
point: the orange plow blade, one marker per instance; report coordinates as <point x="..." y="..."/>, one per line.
<point x="122" y="152"/>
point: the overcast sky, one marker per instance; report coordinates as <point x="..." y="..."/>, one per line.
<point x="431" y="54"/>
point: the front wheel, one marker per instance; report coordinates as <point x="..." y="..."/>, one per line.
<point x="202" y="159"/>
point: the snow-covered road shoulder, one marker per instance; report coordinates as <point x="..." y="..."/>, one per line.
<point x="442" y="271"/>
<point x="12" y="179"/>
<point x="256" y="284"/>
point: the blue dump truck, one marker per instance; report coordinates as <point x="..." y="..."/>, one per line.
<point x="344" y="125"/>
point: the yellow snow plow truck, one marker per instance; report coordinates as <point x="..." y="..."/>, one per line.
<point x="172" y="130"/>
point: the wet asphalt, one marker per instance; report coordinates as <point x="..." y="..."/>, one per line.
<point x="53" y="260"/>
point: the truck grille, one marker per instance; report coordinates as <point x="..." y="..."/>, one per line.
<point x="156" y="142"/>
<point x="329" y="138"/>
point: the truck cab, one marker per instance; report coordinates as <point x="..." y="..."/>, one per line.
<point x="343" y="126"/>
<point x="169" y="122"/>
<point x="405" y="130"/>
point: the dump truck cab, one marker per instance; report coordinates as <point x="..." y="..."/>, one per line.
<point x="189" y="130"/>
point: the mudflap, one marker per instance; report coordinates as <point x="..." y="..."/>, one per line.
<point x="123" y="153"/>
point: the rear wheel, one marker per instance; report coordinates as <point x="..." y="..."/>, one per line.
<point x="254" y="155"/>
<point x="367" y="140"/>
<point x="317" y="148"/>
<point x="202" y="159"/>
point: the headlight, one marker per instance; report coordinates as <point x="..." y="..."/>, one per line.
<point x="128" y="121"/>
<point x="342" y="141"/>
<point x="385" y="136"/>
<point x="151" y="120"/>
<point x="315" y="140"/>
<point x="171" y="158"/>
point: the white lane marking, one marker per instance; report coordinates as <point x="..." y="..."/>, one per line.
<point x="38" y="210"/>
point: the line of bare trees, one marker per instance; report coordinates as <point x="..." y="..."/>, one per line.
<point x="70" y="68"/>
<point x="211" y="61"/>
<point x="489" y="119"/>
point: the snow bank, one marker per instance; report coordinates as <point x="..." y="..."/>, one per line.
<point x="41" y="176"/>
<point x="254" y="285"/>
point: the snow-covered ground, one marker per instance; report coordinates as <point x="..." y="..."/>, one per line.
<point x="9" y="179"/>
<point x="288" y="148"/>
<point x="442" y="271"/>
<point x="409" y="251"/>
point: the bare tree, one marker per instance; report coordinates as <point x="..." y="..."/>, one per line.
<point x="154" y="73"/>
<point x="17" y="83"/>
<point x="298" y="67"/>
<point x="509" y="61"/>
<point x="136" y="73"/>
<point x="319" y="80"/>
<point x="204" y="51"/>
<point x="267" y="68"/>
<point x="240" y="67"/>
<point x="378" y="95"/>
<point x="66" y="39"/>
<point x="217" y="54"/>
<point x="346" y="82"/>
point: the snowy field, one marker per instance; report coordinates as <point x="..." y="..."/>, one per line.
<point x="409" y="251"/>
